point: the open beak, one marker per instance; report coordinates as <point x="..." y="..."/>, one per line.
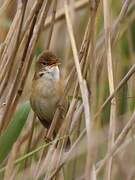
<point x="55" y="63"/>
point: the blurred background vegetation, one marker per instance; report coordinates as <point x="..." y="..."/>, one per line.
<point x="106" y="149"/>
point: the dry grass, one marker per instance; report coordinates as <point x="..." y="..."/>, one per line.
<point x="95" y="42"/>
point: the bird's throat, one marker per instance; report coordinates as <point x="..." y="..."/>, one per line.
<point x="51" y="73"/>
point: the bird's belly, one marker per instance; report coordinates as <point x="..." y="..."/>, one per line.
<point x="47" y="108"/>
<point x="44" y="101"/>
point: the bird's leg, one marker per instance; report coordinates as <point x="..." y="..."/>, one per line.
<point x="48" y="140"/>
<point x="61" y="109"/>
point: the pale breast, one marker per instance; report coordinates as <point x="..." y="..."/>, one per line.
<point x="45" y="97"/>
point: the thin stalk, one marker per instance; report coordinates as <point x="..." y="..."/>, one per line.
<point x="83" y="87"/>
<point x="107" y="28"/>
<point x="52" y="25"/>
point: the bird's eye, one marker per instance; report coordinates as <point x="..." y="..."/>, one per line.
<point x="44" y="63"/>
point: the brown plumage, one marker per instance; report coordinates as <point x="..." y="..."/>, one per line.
<point x="47" y="89"/>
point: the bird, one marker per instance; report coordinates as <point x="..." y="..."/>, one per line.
<point x="47" y="89"/>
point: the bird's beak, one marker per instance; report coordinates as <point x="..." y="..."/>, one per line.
<point x="56" y="63"/>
